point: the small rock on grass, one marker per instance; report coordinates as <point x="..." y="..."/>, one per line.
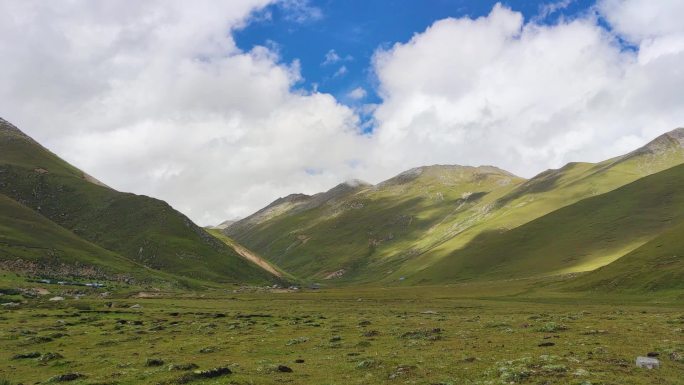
<point x="284" y="369"/>
<point x="154" y="362"/>
<point x="647" y="362"/>
<point x="212" y="373"/>
<point x="66" y="377"/>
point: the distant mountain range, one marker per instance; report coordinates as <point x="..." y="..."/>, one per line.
<point x="613" y="225"/>
<point x="438" y="224"/>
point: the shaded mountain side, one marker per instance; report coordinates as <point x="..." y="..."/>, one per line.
<point x="656" y="265"/>
<point x="142" y="229"/>
<point x="30" y="241"/>
<point x="357" y="232"/>
<point x="581" y="237"/>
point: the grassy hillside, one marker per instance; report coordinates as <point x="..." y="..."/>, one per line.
<point x="359" y="232"/>
<point x="27" y="235"/>
<point x="554" y="189"/>
<point x="145" y="230"/>
<point x="656" y="265"/>
<point x="415" y="220"/>
<point x="579" y="237"/>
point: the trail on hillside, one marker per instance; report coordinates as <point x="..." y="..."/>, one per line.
<point x="250" y="256"/>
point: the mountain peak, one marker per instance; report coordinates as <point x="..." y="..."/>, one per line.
<point x="355" y="183"/>
<point x="674" y="138"/>
<point x="676" y="134"/>
<point x="441" y="169"/>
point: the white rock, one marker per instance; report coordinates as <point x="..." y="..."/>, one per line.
<point x="56" y="299"/>
<point x="136" y="306"/>
<point x="647" y="362"/>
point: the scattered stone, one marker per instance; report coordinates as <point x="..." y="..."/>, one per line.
<point x="299" y="361"/>
<point x="552" y="327"/>
<point x="154" y="362"/>
<point x="580" y="373"/>
<point x="335" y="339"/>
<point x="365" y="364"/>
<point x="284" y="369"/>
<point x="429" y="312"/>
<point x="136" y="306"/>
<point x="371" y="333"/>
<point x="208" y="349"/>
<point x="55" y="299"/>
<point x="39" y="339"/>
<point x="10" y="304"/>
<point x="401" y="371"/>
<point x="647" y="362"/>
<point x="652" y="354"/>
<point x="296" y="341"/>
<point x="364" y="323"/>
<point x="25" y="355"/>
<point x="212" y="373"/>
<point x="50" y="356"/>
<point x="66" y="377"/>
<point x="545" y="344"/>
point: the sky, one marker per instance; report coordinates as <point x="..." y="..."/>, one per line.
<point x="220" y="107"/>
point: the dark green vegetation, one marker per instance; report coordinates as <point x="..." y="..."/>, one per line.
<point x="449" y="223"/>
<point x="54" y="214"/>
<point x="438" y="335"/>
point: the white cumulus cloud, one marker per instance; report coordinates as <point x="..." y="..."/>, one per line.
<point x="525" y="96"/>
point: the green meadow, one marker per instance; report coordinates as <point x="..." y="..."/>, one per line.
<point x="456" y="334"/>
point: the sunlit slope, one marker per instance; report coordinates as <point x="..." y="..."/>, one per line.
<point x="145" y="230"/>
<point x="656" y="265"/>
<point x="554" y="189"/>
<point x="360" y="232"/>
<point x="580" y="237"/>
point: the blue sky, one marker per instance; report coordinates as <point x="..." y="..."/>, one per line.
<point x="355" y="29"/>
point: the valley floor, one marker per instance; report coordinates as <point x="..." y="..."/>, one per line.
<point x="438" y="335"/>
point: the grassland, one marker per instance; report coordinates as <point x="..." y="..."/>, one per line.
<point x="459" y="334"/>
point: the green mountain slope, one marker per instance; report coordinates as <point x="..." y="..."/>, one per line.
<point x="360" y="232"/>
<point x="580" y="237"/>
<point x="30" y="237"/>
<point x="554" y="189"/>
<point x="656" y="265"/>
<point x="145" y="230"/>
<point x="411" y="222"/>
